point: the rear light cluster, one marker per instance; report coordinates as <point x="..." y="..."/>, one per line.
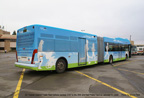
<point x="33" y="55"/>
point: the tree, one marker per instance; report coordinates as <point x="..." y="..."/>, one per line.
<point x="3" y="27"/>
<point x="14" y="33"/>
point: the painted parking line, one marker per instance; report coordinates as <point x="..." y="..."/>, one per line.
<point x="16" y="94"/>
<point x="131" y="71"/>
<point x="118" y="90"/>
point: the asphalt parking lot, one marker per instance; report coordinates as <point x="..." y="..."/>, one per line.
<point x="123" y="79"/>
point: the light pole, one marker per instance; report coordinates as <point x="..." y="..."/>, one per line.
<point x="130" y="37"/>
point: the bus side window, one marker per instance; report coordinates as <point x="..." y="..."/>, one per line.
<point x="62" y="45"/>
<point x="105" y="46"/>
<point x="111" y="46"/>
<point x="73" y="46"/>
<point x="116" y="47"/>
<point x="48" y="45"/>
<point x="123" y="48"/>
<point x="92" y="45"/>
<point x="126" y="48"/>
<point x="120" y="47"/>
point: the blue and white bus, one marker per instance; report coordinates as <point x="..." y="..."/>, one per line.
<point x="41" y="47"/>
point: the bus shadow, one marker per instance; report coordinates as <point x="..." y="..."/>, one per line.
<point x="96" y="65"/>
<point x="87" y="67"/>
<point x="33" y="73"/>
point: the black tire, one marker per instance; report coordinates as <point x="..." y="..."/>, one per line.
<point x="110" y="59"/>
<point x="60" y="66"/>
<point x="126" y="57"/>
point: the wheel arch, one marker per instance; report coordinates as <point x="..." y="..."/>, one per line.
<point x="64" y="60"/>
<point x="111" y="56"/>
<point x="126" y="55"/>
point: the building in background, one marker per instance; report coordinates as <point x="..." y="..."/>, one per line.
<point x="132" y="43"/>
<point x="140" y="45"/>
<point x="7" y="41"/>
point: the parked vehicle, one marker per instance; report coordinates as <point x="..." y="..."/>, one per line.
<point x="49" y="48"/>
<point x="134" y="50"/>
<point x="140" y="50"/>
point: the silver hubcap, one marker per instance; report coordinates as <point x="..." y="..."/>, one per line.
<point x="111" y="60"/>
<point x="60" y="65"/>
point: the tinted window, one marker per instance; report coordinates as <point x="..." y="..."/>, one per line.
<point x="126" y="47"/>
<point x="140" y="48"/>
<point x="115" y="47"/>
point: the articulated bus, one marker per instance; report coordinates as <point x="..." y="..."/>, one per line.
<point x="41" y="48"/>
<point x="134" y="50"/>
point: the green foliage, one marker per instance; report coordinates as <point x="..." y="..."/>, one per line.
<point x="14" y="33"/>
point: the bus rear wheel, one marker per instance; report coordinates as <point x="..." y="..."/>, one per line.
<point x="60" y="66"/>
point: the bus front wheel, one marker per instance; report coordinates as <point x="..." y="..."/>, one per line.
<point x="126" y="57"/>
<point x="110" y="59"/>
<point x="60" y="66"/>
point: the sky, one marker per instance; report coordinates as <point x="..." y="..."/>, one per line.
<point x="109" y="18"/>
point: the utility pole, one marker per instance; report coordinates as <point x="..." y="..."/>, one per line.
<point x="130" y="37"/>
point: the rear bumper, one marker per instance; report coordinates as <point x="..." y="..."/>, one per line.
<point x="140" y="53"/>
<point x="27" y="66"/>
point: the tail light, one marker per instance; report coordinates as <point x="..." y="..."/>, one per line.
<point x="33" y="55"/>
<point x="16" y="57"/>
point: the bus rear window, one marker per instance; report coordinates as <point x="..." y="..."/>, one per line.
<point x="25" y="39"/>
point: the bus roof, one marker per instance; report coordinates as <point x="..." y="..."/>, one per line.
<point x="57" y="29"/>
<point x="117" y="40"/>
<point x="85" y="35"/>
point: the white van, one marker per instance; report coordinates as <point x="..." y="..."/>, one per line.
<point x="140" y="50"/>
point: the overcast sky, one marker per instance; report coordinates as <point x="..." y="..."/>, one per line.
<point x="110" y="18"/>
